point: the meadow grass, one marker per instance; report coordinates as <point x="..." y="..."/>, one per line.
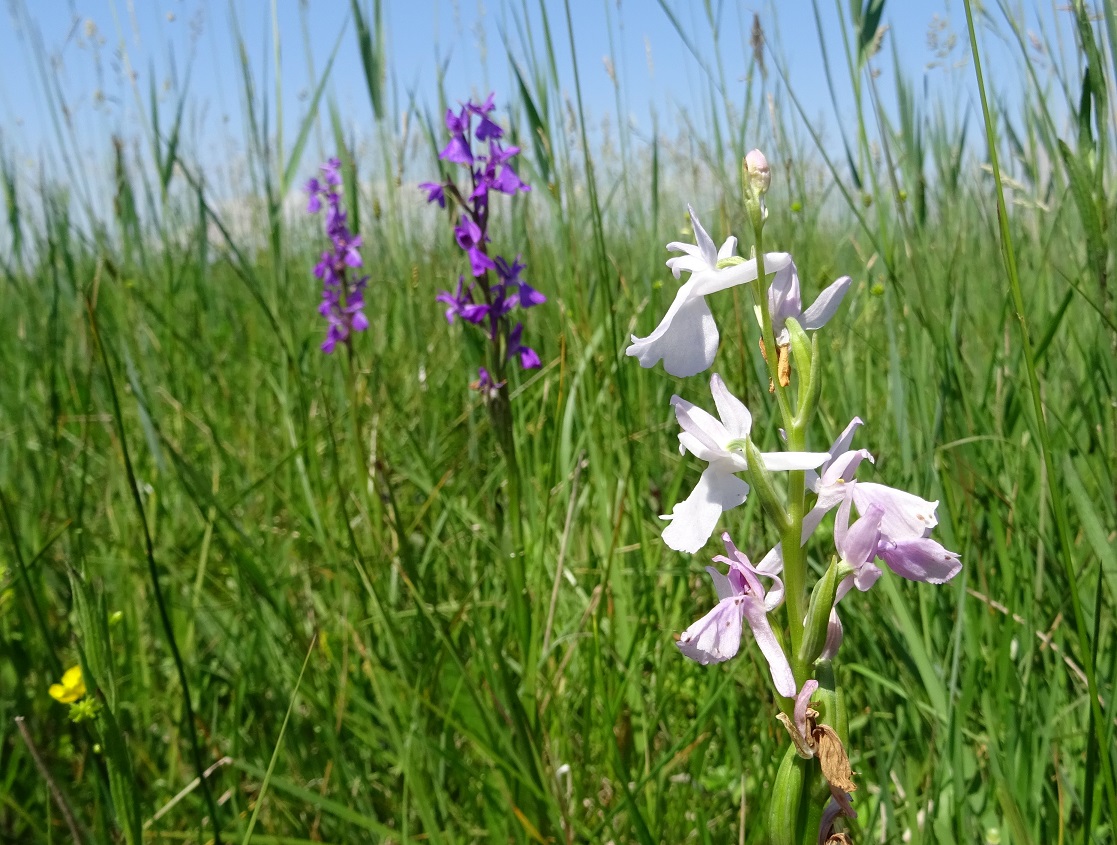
<point x="286" y="569"/>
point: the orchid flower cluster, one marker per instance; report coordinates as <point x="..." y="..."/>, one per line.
<point x="484" y="301"/>
<point x="343" y="297"/>
<point x="891" y="526"/>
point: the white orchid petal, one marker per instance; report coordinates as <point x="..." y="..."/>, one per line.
<point x="826" y="306"/>
<point x="704" y="242"/>
<point x="735" y="417"/>
<point x="685" y="340"/>
<point x="701" y="425"/>
<point x="841" y="445"/>
<point x="779" y="461"/>
<point x="689" y="443"/>
<point x="691" y="263"/>
<point x="906" y="516"/>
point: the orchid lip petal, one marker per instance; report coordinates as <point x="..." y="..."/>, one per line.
<point x="921" y="559"/>
<point x="715" y="637"/>
<point x="693" y="520"/>
<point x="770" y="647"/>
<point x="686" y="340"/>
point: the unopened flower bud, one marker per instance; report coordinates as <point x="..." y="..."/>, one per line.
<point x="760" y="175"/>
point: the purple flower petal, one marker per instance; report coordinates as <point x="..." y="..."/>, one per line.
<point x="529" y="358"/>
<point x="479" y="263"/>
<point x="529" y="296"/>
<point x="921" y="559"/>
<point x="508" y="182"/>
<point x="435" y="192"/>
<point x="457" y="151"/>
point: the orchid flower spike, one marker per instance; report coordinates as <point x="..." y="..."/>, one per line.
<point x="719" y="441"/>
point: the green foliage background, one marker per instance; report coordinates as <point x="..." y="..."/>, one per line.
<point x="288" y="567"/>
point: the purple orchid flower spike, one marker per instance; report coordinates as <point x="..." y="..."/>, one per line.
<point x="686" y="339"/>
<point x="342" y="297"/>
<point x="720" y="443"/>
<point x="716" y="637"/>
<point x="785" y="301"/>
<point x="489" y="168"/>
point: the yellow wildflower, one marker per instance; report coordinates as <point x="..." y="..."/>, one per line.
<point x="72" y="687"/>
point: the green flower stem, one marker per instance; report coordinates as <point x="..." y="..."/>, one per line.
<point x="500" y="417"/>
<point x="794" y="557"/>
<point x="500" y="410"/>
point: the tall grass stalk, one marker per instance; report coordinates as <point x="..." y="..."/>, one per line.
<point x="1087" y="645"/>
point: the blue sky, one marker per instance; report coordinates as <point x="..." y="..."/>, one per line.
<point x="104" y="56"/>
